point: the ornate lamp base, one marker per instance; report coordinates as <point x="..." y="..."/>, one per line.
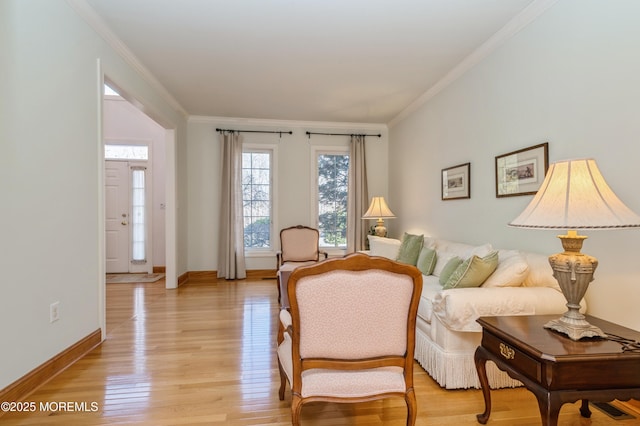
<point x="574" y="271"/>
<point x="380" y="230"/>
<point x="575" y="331"/>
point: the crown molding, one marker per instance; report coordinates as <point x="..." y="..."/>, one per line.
<point x="262" y="122"/>
<point x="90" y="16"/>
<point x="520" y="21"/>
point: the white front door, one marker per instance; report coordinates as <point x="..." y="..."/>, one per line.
<point x="117" y="216"/>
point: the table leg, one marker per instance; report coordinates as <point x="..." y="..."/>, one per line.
<point x="584" y="409"/>
<point x="549" y="405"/>
<point x="480" y="358"/>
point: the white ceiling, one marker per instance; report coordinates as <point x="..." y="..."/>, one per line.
<point x="359" y="61"/>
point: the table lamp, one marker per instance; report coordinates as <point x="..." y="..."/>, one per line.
<point x="378" y="209"/>
<point x="574" y="195"/>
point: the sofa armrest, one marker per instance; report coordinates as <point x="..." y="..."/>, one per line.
<point x="458" y="309"/>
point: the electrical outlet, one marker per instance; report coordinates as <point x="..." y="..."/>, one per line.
<point x="54" y="312"/>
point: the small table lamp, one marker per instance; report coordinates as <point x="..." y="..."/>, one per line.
<point x="574" y="195"/>
<point x="379" y="210"/>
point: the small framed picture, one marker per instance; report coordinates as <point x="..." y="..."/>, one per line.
<point x="456" y="183"/>
<point x="521" y="172"/>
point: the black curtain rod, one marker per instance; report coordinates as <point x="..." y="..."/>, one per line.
<point x="255" y="131"/>
<point x="340" y="134"/>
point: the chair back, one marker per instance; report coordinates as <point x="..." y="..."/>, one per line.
<point x="350" y="333"/>
<point x="299" y="244"/>
<point x="355" y="308"/>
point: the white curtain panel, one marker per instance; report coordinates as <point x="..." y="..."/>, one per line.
<point x="231" y="262"/>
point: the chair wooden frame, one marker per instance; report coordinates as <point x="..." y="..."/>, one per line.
<point x="352" y="262"/>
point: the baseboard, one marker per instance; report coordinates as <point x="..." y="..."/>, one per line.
<point x="262" y="274"/>
<point x="202" y="276"/>
<point x="159" y="269"/>
<point x="37" y="377"/>
<point x="183" y="279"/>
<point x="212" y="276"/>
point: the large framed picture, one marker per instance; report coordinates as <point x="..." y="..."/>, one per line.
<point x="456" y="183"/>
<point x="521" y="172"/>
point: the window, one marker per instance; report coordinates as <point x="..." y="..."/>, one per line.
<point x="257" y="197"/>
<point x="126" y="152"/>
<point x="332" y="190"/>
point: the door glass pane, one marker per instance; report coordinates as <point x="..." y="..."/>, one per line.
<point x="138" y="224"/>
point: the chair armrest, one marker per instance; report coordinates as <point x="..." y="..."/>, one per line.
<point x="286" y="327"/>
<point x="285" y="319"/>
<point x="278" y="259"/>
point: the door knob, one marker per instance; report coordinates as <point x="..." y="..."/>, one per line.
<point x="124" y="222"/>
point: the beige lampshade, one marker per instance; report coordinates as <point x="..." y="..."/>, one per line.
<point x="574" y="195"/>
<point x="378" y="209"/>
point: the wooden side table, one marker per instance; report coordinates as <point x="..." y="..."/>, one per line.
<point x="555" y="368"/>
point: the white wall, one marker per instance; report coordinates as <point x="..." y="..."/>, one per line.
<point x="51" y="177"/>
<point x="124" y="123"/>
<point x="293" y="177"/>
<point x="569" y="78"/>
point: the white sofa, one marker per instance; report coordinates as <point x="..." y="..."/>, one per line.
<point x="447" y="333"/>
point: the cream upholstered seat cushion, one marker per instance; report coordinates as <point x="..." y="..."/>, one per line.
<point x="342" y="383"/>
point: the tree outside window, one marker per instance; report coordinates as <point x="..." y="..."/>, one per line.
<point x="333" y="173"/>
<point x="256" y="198"/>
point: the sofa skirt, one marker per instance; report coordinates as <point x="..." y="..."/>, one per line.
<point x="454" y="368"/>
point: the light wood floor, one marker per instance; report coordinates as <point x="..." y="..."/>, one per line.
<point x="204" y="355"/>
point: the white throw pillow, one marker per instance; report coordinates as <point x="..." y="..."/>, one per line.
<point x="429" y="242"/>
<point x="540" y="272"/>
<point x="480" y="251"/>
<point x="442" y="258"/>
<point x="512" y="270"/>
<point x="448" y="249"/>
<point x="385" y="247"/>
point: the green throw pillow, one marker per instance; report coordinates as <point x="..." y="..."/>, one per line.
<point x="451" y="265"/>
<point x="473" y="271"/>
<point x="426" y="260"/>
<point x="410" y="249"/>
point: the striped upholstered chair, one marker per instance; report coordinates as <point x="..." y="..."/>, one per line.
<point x="349" y="335"/>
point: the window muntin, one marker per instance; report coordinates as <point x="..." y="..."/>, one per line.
<point x="257" y="197"/>
<point x="332" y="193"/>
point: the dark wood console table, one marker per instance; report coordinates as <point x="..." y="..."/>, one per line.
<point x="555" y="368"/>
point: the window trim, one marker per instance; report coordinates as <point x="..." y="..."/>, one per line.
<point x="315" y="151"/>
<point x="273" y="148"/>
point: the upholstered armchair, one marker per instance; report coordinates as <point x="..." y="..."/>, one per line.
<point x="349" y="334"/>
<point x="299" y="245"/>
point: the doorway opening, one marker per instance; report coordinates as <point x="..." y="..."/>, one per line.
<point x="125" y="124"/>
